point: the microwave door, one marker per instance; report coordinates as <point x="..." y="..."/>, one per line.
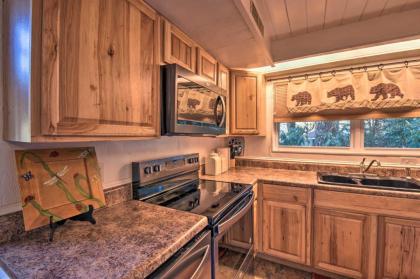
<point x="195" y="104"/>
<point x="192" y="105"/>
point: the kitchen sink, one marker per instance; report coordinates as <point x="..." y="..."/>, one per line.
<point x="334" y="179"/>
<point x="370" y="181"/>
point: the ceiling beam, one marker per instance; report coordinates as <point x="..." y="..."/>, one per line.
<point x="244" y="7"/>
<point x="364" y="33"/>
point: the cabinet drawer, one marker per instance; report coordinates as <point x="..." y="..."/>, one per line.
<point x="285" y="193"/>
<point x="368" y="203"/>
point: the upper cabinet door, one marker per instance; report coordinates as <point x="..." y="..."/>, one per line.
<point x="178" y="48"/>
<point x="247" y="104"/>
<point x="100" y="68"/>
<point x="206" y="65"/>
<point x="223" y="77"/>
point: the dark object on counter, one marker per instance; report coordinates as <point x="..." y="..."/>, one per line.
<point x="174" y="182"/>
<point x="87" y="216"/>
<point x="237" y="146"/>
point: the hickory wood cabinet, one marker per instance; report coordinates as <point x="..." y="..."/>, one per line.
<point x="399" y="248"/>
<point x="207" y="65"/>
<point x="346" y="234"/>
<point x="245" y="231"/>
<point x="178" y="48"/>
<point x="366" y="236"/>
<point x="97" y="75"/>
<point x="286" y="222"/>
<point x="341" y="243"/>
<point x="247" y="104"/>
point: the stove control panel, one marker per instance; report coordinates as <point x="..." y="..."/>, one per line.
<point x="146" y="172"/>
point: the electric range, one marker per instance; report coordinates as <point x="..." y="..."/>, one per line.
<point x="174" y="182"/>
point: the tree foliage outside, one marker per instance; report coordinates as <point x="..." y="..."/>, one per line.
<point x="319" y="133"/>
<point x="393" y="133"/>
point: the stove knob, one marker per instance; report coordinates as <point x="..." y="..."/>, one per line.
<point x="196" y="160"/>
<point x="148" y="170"/>
<point x="190" y="160"/>
<point x="156" y="168"/>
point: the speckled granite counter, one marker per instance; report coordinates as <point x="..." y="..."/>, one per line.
<point x="295" y="178"/>
<point x="130" y="240"/>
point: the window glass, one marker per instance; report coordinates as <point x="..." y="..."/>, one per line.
<point x="396" y="133"/>
<point x="318" y="133"/>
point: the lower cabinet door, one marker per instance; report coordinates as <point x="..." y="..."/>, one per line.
<point x="399" y="249"/>
<point x="284" y="230"/>
<point x="341" y="242"/>
<point x="241" y="233"/>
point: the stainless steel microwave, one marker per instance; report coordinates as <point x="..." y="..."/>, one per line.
<point x="191" y="105"/>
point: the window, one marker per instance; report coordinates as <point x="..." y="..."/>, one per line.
<point x="319" y="133"/>
<point x="359" y="136"/>
<point x="394" y="133"/>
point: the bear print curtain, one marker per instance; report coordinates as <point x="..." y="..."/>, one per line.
<point x="359" y="93"/>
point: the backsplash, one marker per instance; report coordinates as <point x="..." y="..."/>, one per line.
<point x="12" y="228"/>
<point x="273" y="164"/>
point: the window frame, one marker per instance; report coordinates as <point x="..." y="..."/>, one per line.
<point x="356" y="145"/>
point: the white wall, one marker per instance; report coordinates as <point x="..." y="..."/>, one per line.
<point x="114" y="157"/>
<point x="114" y="160"/>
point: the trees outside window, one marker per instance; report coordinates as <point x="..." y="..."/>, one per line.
<point x="393" y="133"/>
<point x="319" y="133"/>
<point x="401" y="133"/>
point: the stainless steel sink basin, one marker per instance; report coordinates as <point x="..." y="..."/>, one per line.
<point x="370" y="181"/>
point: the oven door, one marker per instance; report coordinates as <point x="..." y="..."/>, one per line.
<point x="193" y="261"/>
<point x="233" y="241"/>
<point x="194" y="105"/>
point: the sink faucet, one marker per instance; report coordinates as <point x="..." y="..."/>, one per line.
<point x="364" y="169"/>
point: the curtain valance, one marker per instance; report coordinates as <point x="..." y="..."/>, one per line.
<point x="359" y="94"/>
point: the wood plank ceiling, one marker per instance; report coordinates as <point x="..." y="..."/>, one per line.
<point x="296" y="17"/>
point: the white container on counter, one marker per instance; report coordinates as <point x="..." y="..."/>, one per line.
<point x="224" y="155"/>
<point x="213" y="164"/>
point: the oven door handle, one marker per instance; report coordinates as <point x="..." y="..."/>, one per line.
<point x="184" y="264"/>
<point x="236" y="216"/>
<point x="198" y="271"/>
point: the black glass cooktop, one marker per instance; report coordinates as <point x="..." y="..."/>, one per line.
<point x="204" y="197"/>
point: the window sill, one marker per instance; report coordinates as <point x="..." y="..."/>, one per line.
<point x="385" y="152"/>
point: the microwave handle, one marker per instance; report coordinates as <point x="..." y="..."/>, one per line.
<point x="220" y="99"/>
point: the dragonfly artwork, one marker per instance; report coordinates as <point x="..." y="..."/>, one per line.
<point x="58" y="184"/>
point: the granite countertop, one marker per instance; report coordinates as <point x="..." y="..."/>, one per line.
<point x="295" y="178"/>
<point x="129" y="240"/>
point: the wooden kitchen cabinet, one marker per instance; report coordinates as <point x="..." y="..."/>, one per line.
<point x="223" y="77"/>
<point x="178" y="48"/>
<point x="247" y="104"/>
<point x="94" y="71"/>
<point x="284" y="230"/>
<point x="245" y="230"/>
<point x="341" y="242"/>
<point x="206" y="65"/>
<point x="286" y="220"/>
<point x="399" y="248"/>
